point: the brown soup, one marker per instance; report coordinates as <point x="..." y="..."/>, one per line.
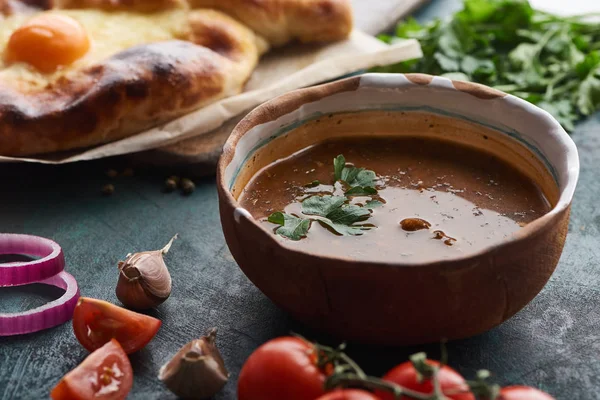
<point x="426" y="200"/>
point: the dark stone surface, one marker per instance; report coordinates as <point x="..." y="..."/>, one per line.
<point x="552" y="344"/>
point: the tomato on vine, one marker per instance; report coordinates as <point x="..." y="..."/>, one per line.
<point x="349" y="394"/>
<point x="293" y="368"/>
<point x="522" y="393"/>
<point x="283" y="368"/>
<point x="417" y="375"/>
<point x="487" y="391"/>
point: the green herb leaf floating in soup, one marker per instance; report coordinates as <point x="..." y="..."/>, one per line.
<point x="344" y="230"/>
<point x="277" y="218"/>
<point x="359" y="177"/>
<point x="322" y="205"/>
<point x="291" y="226"/>
<point x="338" y="166"/>
<point x="361" y="191"/>
<point x="332" y="212"/>
<point x="349" y="214"/>
<point x="353" y="176"/>
<point x="371" y="204"/>
<point x="338" y="216"/>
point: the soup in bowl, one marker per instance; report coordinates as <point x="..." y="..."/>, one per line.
<point x="398" y="209"/>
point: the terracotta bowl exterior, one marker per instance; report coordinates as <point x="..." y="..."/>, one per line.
<point x="401" y="303"/>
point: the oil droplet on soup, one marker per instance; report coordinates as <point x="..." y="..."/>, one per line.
<point x="439" y="200"/>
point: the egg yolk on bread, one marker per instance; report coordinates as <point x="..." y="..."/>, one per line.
<point x="48" y="41"/>
<point x="37" y="50"/>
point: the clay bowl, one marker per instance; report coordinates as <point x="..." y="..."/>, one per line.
<point x="401" y="303"/>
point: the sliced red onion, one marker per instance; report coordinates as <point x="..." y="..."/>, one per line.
<point x="47" y="316"/>
<point x="22" y="273"/>
<point x="47" y="270"/>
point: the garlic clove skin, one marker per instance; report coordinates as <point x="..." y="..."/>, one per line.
<point x="197" y="371"/>
<point x="144" y="280"/>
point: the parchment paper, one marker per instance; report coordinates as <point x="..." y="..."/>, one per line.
<point x="376" y="16"/>
<point x="286" y="69"/>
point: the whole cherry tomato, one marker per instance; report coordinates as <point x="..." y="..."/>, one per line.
<point x="523" y="393"/>
<point x="96" y="322"/>
<point x="349" y="394"/>
<point x="405" y="375"/>
<point x="283" y="368"/>
<point x="104" y="375"/>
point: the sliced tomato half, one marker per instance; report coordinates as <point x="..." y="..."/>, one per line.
<point x="96" y="322"/>
<point x="105" y="374"/>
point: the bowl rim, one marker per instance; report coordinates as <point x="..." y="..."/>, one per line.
<point x="284" y="104"/>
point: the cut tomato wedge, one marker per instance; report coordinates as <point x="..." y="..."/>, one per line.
<point x="96" y="322"/>
<point x="105" y="374"/>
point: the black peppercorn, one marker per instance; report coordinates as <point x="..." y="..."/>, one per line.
<point x="187" y="186"/>
<point x="170" y="185"/>
<point x="108" y="189"/>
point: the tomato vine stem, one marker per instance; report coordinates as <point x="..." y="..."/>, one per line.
<point x="353" y="380"/>
<point x="347" y="373"/>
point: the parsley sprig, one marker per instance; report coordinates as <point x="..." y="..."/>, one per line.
<point x="292" y="227"/>
<point x="334" y="212"/>
<point x="550" y="61"/>
<point x="362" y="181"/>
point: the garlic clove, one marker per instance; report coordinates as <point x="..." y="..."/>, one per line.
<point x="197" y="371"/>
<point x="144" y="280"/>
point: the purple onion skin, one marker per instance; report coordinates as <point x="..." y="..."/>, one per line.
<point x="47" y="316"/>
<point x="52" y="259"/>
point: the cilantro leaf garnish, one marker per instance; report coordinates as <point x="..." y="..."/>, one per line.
<point x="277" y="218"/>
<point x="345" y="230"/>
<point x="291" y="226"/>
<point x="322" y="205"/>
<point x="349" y="174"/>
<point x="338" y="166"/>
<point x="365" y="179"/>
<point x="336" y="214"/>
<point x="335" y="209"/>
<point x="371" y="204"/>
<point x="361" y="191"/>
<point x="333" y="212"/>
<point x="348" y="214"/>
<point x="312" y="184"/>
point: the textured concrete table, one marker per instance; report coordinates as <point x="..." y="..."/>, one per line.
<point x="552" y="344"/>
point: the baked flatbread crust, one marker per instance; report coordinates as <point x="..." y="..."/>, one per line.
<point x="207" y="52"/>
<point x="280" y="21"/>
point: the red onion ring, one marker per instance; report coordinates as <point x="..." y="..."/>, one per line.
<point x="22" y="273"/>
<point x="47" y="316"/>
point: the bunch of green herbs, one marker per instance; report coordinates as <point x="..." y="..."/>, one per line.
<point x="550" y="61"/>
